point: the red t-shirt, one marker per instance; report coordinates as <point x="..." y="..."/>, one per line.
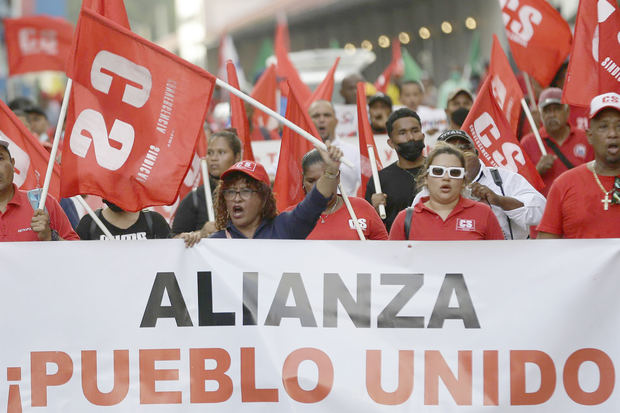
<point x="574" y="208"/>
<point x="339" y="225"/>
<point x="575" y="148"/>
<point x="578" y="117"/>
<point x="15" y="221"/>
<point x="469" y="220"/>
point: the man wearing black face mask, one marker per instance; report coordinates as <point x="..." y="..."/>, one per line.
<point x="124" y="225"/>
<point x="398" y="179"/>
<point x="458" y="105"/>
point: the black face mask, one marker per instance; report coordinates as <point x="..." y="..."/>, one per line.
<point x="459" y="116"/>
<point x="112" y="206"/>
<point x="410" y="150"/>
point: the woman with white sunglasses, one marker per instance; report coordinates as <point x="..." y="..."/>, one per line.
<point x="445" y="214"/>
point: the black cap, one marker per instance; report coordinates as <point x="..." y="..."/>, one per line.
<point x="455" y="133"/>
<point x="35" y="109"/>
<point x="5" y="145"/>
<point x="380" y="97"/>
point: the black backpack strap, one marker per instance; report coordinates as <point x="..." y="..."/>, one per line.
<point x="149" y="222"/>
<point x="559" y="153"/>
<point x="93" y="225"/>
<point x="497" y="178"/>
<point x="408" y="217"/>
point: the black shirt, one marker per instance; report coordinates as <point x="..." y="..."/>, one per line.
<point x="191" y="214"/>
<point x="399" y="186"/>
<point x="153" y="227"/>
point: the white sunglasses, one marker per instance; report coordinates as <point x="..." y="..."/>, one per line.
<point x="455" y="172"/>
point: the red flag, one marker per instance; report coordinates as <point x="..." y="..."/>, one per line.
<point x="30" y="156"/>
<point x="288" y="187"/>
<point x="594" y="66"/>
<point x="496" y="143"/>
<point x="265" y="91"/>
<point x="539" y="37"/>
<point x="238" y="118"/>
<point x="325" y="90"/>
<point x="111" y="9"/>
<point x="366" y="139"/>
<point x="284" y="67"/>
<point x="395" y="67"/>
<point x="37" y="43"/>
<point x="504" y="85"/>
<point x="134" y="117"/>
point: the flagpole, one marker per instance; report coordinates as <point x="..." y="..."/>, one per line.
<point x="530" y="119"/>
<point x="530" y="90"/>
<point x="351" y="213"/>
<point x="52" y="160"/>
<point x="94" y="216"/>
<point x="375" y="178"/>
<point x="317" y="143"/>
<point x="207" y="187"/>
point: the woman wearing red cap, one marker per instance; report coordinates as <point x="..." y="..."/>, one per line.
<point x="246" y="208"/>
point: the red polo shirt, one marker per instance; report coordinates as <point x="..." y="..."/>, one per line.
<point x="469" y="220"/>
<point x="575" y="148"/>
<point x="15" y="221"/>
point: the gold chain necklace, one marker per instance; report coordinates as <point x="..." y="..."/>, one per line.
<point x="330" y="211"/>
<point x="606" y="200"/>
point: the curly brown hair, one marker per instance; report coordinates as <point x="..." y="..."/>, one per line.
<point x="269" y="212"/>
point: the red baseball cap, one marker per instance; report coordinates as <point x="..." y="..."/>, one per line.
<point x="250" y="168"/>
<point x="550" y="96"/>
<point x="604" y="101"/>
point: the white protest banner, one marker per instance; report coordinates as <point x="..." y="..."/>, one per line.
<point x="310" y="326"/>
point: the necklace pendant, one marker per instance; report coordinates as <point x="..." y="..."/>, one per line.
<point x="606" y="202"/>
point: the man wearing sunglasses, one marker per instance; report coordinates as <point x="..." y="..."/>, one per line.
<point x="513" y="200"/>
<point x="584" y="202"/>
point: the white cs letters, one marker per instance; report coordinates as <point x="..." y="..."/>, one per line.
<point x="90" y="125"/>
<point x="486" y="129"/>
<point x="126" y="69"/>
<point x="107" y="156"/>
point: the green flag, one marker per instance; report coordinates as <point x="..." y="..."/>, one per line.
<point x="412" y="70"/>
<point x="266" y="50"/>
<point x="475" y="64"/>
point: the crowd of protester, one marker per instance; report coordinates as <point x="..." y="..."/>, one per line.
<point x="437" y="189"/>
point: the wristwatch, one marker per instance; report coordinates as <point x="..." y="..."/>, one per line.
<point x="55" y="236"/>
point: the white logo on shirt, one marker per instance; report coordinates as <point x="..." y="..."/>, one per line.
<point x="465" y="224"/>
<point x="580" y="150"/>
<point x="361" y="221"/>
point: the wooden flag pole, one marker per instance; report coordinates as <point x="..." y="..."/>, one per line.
<point x="94" y="216"/>
<point x="207" y="187"/>
<point x="375" y="178"/>
<point x="317" y="143"/>
<point x="530" y="119"/>
<point x="50" y="164"/>
<point x="351" y="213"/>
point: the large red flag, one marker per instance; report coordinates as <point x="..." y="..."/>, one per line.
<point x="496" y="143"/>
<point x="366" y="139"/>
<point x="111" y="9"/>
<point x="134" y="116"/>
<point x="325" y="90"/>
<point x="396" y="66"/>
<point x="37" y="43"/>
<point x="594" y="66"/>
<point x="288" y="187"/>
<point x="284" y="67"/>
<point x="30" y="156"/>
<point x="265" y="91"/>
<point x="238" y="117"/>
<point x="504" y="85"/>
<point x="539" y="37"/>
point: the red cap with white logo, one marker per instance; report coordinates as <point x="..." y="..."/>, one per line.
<point x="250" y="168"/>
<point x="604" y="101"/>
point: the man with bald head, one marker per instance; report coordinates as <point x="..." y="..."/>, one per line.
<point x="348" y="88"/>
<point x="324" y="118"/>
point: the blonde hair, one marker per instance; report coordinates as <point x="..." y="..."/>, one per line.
<point x="439" y="149"/>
